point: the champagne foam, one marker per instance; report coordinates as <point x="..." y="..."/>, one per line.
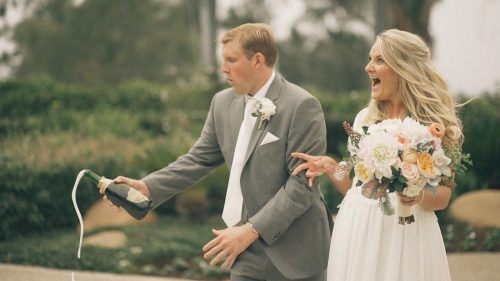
<point x="73" y="197"/>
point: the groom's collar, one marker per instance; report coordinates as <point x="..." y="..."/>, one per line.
<point x="275" y="88"/>
<point x="261" y="93"/>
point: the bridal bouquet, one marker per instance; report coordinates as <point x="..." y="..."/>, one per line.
<point x="396" y="155"/>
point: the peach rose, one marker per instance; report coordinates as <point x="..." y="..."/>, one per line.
<point x="409" y="171"/>
<point x="425" y="165"/>
<point x="402" y="139"/>
<point x="409" y="155"/>
<point x="437" y="130"/>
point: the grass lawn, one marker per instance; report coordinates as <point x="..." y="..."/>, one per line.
<point x="170" y="248"/>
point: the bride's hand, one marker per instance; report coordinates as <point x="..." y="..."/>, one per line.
<point x="410" y="200"/>
<point x="315" y="166"/>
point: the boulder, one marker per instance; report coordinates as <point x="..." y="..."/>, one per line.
<point x="107" y="239"/>
<point x="478" y="208"/>
<point x="101" y="214"/>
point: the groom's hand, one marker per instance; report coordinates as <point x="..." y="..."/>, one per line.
<point x="141" y="186"/>
<point x="229" y="243"/>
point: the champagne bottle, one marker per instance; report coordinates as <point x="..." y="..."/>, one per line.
<point x="129" y="198"/>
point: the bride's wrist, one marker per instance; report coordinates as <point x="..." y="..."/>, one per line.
<point x="422" y="195"/>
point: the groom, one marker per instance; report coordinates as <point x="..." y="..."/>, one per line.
<point x="278" y="227"/>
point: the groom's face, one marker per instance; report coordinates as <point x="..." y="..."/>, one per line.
<point x="240" y="71"/>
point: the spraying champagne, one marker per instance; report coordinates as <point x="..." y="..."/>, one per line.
<point x="129" y="198"/>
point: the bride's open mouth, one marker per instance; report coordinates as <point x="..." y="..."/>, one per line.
<point x="375" y="82"/>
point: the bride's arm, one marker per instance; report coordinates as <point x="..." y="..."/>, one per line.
<point x="438" y="202"/>
<point x="427" y="200"/>
<point x="341" y="185"/>
<point x="315" y="166"/>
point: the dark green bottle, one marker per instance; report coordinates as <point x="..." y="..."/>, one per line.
<point x="129" y="198"/>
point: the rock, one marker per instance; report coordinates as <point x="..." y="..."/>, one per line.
<point x="478" y="208"/>
<point x="101" y="214"/>
<point x="107" y="239"/>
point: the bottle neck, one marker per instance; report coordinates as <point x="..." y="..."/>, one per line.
<point x="95" y="178"/>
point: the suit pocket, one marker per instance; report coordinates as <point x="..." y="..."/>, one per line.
<point x="269" y="138"/>
<point x="274" y="147"/>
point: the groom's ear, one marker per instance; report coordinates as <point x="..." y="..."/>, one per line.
<point x="260" y="59"/>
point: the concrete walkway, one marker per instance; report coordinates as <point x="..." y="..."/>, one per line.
<point x="474" y="266"/>
<point x="463" y="267"/>
<point x="11" y="272"/>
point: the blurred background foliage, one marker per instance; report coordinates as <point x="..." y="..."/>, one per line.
<point x="50" y="130"/>
<point x="109" y="41"/>
<point x="119" y="86"/>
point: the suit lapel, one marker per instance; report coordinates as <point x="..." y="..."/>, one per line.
<point x="273" y="94"/>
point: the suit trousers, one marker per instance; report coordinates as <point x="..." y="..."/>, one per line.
<point x="254" y="265"/>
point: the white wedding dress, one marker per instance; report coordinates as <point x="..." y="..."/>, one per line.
<point x="370" y="246"/>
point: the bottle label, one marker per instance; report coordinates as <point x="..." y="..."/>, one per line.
<point x="133" y="195"/>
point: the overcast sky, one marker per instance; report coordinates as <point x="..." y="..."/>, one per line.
<point x="467" y="44"/>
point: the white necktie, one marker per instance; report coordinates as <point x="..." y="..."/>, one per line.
<point x="234" y="199"/>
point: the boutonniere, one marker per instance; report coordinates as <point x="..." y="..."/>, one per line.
<point x="265" y="110"/>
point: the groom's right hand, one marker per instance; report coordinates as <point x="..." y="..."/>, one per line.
<point x="141" y="186"/>
<point x="229" y="243"/>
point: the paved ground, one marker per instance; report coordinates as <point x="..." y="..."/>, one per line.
<point x="463" y="267"/>
<point x="10" y="272"/>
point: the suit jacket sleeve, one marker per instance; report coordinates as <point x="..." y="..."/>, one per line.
<point x="307" y="134"/>
<point x="181" y="174"/>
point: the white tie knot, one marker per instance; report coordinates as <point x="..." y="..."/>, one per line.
<point x="250" y="106"/>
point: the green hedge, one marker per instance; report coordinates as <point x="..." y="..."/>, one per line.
<point x="40" y="199"/>
<point x="50" y="131"/>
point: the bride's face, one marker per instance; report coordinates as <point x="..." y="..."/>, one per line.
<point x="384" y="79"/>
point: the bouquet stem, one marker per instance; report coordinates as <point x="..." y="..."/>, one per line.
<point x="405" y="214"/>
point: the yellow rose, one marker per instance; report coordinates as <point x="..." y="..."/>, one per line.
<point x="363" y="173"/>
<point x="425" y="165"/>
<point x="409" y="155"/>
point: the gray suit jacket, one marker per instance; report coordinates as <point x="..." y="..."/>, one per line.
<point x="292" y="218"/>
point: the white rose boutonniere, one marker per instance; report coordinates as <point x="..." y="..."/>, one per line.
<point x="265" y="110"/>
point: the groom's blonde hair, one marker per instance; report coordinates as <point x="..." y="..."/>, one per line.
<point x="423" y="91"/>
<point x="254" y="38"/>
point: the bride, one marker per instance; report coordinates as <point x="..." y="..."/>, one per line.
<point x="366" y="244"/>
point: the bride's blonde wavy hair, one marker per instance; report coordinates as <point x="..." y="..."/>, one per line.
<point x="423" y="91"/>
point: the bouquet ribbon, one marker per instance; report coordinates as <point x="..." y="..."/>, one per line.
<point x="405" y="214"/>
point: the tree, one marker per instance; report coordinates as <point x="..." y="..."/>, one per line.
<point x="333" y="64"/>
<point x="328" y="46"/>
<point x="331" y="40"/>
<point x="409" y="15"/>
<point x="246" y="11"/>
<point x="11" y="13"/>
<point x="111" y="41"/>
